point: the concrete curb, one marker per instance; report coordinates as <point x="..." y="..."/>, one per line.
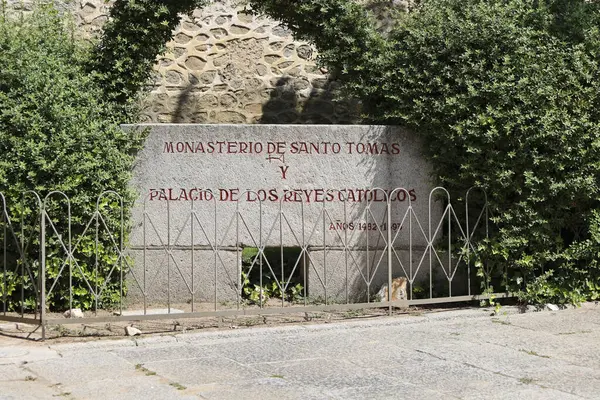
<point x="257" y="331"/>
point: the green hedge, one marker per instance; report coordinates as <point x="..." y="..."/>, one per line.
<point x="58" y="133"/>
<point x="504" y="91"/>
<point x="507" y="96"/>
<point x="62" y="100"/>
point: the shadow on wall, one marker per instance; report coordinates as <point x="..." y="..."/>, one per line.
<point x="180" y="110"/>
<point x="289" y="105"/>
<point x="290" y="101"/>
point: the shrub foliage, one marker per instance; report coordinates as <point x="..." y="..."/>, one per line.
<point x="506" y="94"/>
<point x="59" y="133"/>
<point x="61" y="103"/>
<point x="136" y="32"/>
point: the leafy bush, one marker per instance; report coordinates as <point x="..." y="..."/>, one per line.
<point x="136" y="32"/>
<point x="504" y="91"/>
<point x="61" y="103"/>
<point x="506" y="94"/>
<point x="57" y="132"/>
<point x="272" y="285"/>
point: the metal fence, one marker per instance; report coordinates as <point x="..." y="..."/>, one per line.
<point x="206" y="257"/>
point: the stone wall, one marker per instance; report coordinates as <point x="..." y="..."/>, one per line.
<point x="227" y="66"/>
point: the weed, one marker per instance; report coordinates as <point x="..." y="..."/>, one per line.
<point x="251" y="321"/>
<point x="61" y="330"/>
<point x="146" y="371"/>
<point x="526" y="381"/>
<point x="258" y="289"/>
<point x="533" y="353"/>
<point x="177" y="386"/>
<point x="353" y="313"/>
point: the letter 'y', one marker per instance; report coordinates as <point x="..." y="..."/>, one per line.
<point x="283" y="171"/>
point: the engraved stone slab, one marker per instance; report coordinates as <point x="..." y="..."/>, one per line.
<point x="207" y="191"/>
<point x="294" y="185"/>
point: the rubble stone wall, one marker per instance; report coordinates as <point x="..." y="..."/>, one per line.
<point x="225" y="65"/>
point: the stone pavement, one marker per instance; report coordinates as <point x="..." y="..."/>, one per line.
<point x="461" y="354"/>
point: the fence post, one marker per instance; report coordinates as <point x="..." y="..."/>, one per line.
<point x="4" y="275"/>
<point x="389" y="255"/>
<point x="43" y="270"/>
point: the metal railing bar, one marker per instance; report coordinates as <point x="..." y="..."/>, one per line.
<point x="25" y="320"/>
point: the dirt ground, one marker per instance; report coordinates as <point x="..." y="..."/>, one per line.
<point x="116" y="329"/>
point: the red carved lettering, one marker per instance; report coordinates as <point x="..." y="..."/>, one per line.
<point x="319" y="195"/>
<point x="413" y="195"/>
<point x="183" y="195"/>
<point x="283" y="171"/>
<point x="231" y="147"/>
<point x="227" y="195"/>
<point x="349" y="144"/>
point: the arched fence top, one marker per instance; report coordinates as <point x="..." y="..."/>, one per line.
<point x="108" y="193"/>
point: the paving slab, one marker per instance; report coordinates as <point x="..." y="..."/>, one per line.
<point x="12" y="372"/>
<point x="146" y="354"/>
<point x="559" y="322"/>
<point x="14" y="354"/>
<point x="84" y="367"/>
<point x="563" y="346"/>
<point x="134" y="387"/>
<point x="526" y="391"/>
<point x="466" y="354"/>
<point x="29" y="390"/>
<point x="391" y="392"/>
<point x="523" y="363"/>
<point x="271" y="388"/>
<point x="255" y="351"/>
<point x="329" y="373"/>
<point x="201" y="371"/>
